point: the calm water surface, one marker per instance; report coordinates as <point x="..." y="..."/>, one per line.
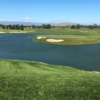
<point x="21" y="46"/>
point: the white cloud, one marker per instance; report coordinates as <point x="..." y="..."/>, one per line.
<point x="27" y="19"/>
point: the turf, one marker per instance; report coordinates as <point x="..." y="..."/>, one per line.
<point x="25" y="80"/>
<point x="70" y="37"/>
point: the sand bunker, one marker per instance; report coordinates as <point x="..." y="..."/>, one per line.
<point x="41" y="37"/>
<point x="54" y="40"/>
<point x="50" y="40"/>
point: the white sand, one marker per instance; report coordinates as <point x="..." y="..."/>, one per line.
<point x="50" y="40"/>
<point x="41" y="37"/>
<point x="54" y="40"/>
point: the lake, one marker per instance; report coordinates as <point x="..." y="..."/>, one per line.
<point x="23" y="47"/>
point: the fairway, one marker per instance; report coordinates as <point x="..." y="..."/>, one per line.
<point x="26" y="80"/>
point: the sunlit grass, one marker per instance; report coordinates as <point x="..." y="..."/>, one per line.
<point x="25" y="80"/>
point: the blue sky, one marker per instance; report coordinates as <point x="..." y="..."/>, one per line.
<point x="78" y="11"/>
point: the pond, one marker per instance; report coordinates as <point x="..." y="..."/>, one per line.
<point x="23" y="47"/>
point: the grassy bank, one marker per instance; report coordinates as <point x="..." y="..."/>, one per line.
<point x="70" y="36"/>
<point x="23" y="80"/>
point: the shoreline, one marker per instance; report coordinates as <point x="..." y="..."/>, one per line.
<point x="2" y="32"/>
<point x="16" y="32"/>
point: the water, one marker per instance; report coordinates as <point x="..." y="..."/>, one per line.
<point x="21" y="46"/>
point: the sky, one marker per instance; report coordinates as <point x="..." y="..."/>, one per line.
<point x="51" y="11"/>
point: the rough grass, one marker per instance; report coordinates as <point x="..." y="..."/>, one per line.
<point x="71" y="37"/>
<point x="25" y="80"/>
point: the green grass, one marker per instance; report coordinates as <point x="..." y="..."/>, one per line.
<point x="25" y="80"/>
<point x="68" y="31"/>
<point x="70" y="36"/>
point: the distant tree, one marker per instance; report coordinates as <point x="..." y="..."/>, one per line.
<point x="78" y="26"/>
<point x="73" y="27"/>
<point x="90" y="26"/>
<point x="7" y="26"/>
<point x="95" y="25"/>
<point x="10" y="26"/>
<point x="46" y="26"/>
<point x="17" y="27"/>
<point x="13" y="27"/>
<point x="33" y="26"/>
<point x="22" y="27"/>
<point x="3" y="27"/>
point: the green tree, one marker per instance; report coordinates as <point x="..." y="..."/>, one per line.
<point x="22" y="27"/>
<point x="95" y="25"/>
<point x="17" y="27"/>
<point x="3" y="27"/>
<point x="78" y="26"/>
<point x="73" y="27"/>
<point x="90" y="26"/>
<point x="33" y="26"/>
<point x="46" y="26"/>
<point x="10" y="26"/>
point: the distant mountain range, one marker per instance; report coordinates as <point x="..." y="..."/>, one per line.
<point x="64" y="24"/>
<point x="36" y="23"/>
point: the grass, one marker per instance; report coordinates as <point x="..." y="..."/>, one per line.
<point x="68" y="31"/>
<point x="25" y="80"/>
<point x="26" y="30"/>
<point x="70" y="36"/>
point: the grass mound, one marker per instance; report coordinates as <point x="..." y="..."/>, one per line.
<point x="25" y="80"/>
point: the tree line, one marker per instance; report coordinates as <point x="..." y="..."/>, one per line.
<point x="14" y="27"/>
<point x="21" y="27"/>
<point x="47" y="26"/>
<point x="78" y="26"/>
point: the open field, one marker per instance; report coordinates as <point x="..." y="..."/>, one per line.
<point x="70" y="36"/>
<point x="25" y="80"/>
<point x="68" y="31"/>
